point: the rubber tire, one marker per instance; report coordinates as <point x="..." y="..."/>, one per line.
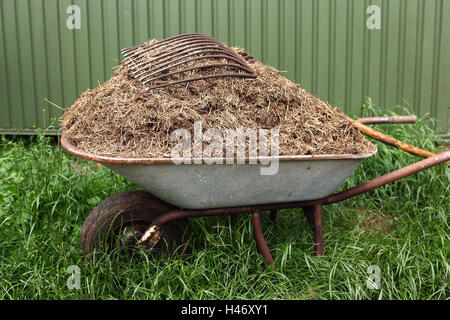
<point x="128" y="207"/>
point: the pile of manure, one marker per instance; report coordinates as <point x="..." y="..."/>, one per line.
<point x="120" y="119"/>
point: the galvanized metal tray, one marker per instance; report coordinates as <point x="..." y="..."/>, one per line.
<point x="207" y="186"/>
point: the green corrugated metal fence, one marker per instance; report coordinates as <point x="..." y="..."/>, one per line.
<point x="324" y="45"/>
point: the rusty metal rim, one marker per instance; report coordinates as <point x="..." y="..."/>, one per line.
<point x="67" y="145"/>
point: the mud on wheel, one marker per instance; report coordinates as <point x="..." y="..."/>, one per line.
<point x="122" y="220"/>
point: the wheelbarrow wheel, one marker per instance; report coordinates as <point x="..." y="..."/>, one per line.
<point x="122" y="219"/>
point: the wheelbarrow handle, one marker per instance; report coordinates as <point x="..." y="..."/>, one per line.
<point x="392" y="119"/>
<point x="389" y="177"/>
<point x="377" y="135"/>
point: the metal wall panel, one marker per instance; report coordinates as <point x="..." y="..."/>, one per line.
<point x="324" y="45"/>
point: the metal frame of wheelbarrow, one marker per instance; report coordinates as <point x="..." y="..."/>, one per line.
<point x="311" y="208"/>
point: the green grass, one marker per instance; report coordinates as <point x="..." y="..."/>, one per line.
<point x="46" y="194"/>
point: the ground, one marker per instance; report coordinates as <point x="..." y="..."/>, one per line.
<point x="400" y="229"/>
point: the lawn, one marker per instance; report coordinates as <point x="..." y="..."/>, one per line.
<point x="401" y="228"/>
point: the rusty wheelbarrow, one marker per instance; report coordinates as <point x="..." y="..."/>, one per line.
<point x="157" y="217"/>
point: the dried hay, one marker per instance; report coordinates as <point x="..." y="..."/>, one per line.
<point x="119" y="119"/>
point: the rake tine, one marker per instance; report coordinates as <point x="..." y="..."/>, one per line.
<point x="153" y="61"/>
<point x="204" y="66"/>
<point x="168" y="57"/>
<point x="220" y="75"/>
<point x="189" y="60"/>
<point x="166" y="44"/>
<point x="161" y="54"/>
<point x="164" y="40"/>
<point x="147" y="47"/>
<point x="144" y="71"/>
<point x="183" y="55"/>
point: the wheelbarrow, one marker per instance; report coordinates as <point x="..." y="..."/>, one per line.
<point x="156" y="217"/>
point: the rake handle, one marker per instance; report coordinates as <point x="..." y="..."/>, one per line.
<point x="392" y="119"/>
<point x="377" y="135"/>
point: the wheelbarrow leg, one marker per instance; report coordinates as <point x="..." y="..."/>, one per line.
<point x="314" y="216"/>
<point x="309" y="213"/>
<point x="318" y="238"/>
<point x="273" y="216"/>
<point x="260" y="241"/>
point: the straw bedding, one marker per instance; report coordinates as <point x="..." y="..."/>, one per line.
<point x="120" y="119"/>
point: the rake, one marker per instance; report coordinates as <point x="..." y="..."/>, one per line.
<point x="166" y="60"/>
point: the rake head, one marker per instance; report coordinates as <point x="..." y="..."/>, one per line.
<point x="183" y="58"/>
